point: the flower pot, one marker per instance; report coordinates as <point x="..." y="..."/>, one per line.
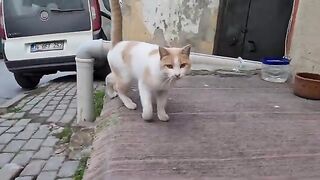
<point x="307" y="85"/>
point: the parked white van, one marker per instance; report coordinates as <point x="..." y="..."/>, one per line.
<point x="42" y="36"/>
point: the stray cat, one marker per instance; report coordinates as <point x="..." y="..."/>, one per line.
<point x="155" y="68"/>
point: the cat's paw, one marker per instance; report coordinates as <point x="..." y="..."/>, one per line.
<point x="163" y="117"/>
<point x="147" y="116"/>
<point x="131" y="105"/>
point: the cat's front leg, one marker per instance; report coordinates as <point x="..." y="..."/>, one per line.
<point x="162" y="97"/>
<point x="146" y="101"/>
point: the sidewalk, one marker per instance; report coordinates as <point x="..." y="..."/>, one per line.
<point x="29" y="149"/>
<point x="220" y="129"/>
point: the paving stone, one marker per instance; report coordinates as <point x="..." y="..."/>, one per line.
<point x="23" y="158"/>
<point x="54" y="163"/>
<point x="14" y="146"/>
<point x="3" y="129"/>
<point x="36" y="110"/>
<point x="62" y="106"/>
<point x="1" y="147"/>
<point x="69" y="116"/>
<point x="46" y="113"/>
<point x="53" y="103"/>
<point x="68" y="169"/>
<point x="5" y="158"/>
<point x="28" y="131"/>
<point x="73" y="104"/>
<point x="6" y="137"/>
<point x="56" y="116"/>
<point x="23" y="122"/>
<point x="64" y="102"/>
<point x="10" y="171"/>
<point x="50" y="141"/>
<point x="67" y="97"/>
<point x="33" y="168"/>
<point x="41" y="105"/>
<point x="51" y="175"/>
<point x="34" y="101"/>
<point x="25" y="178"/>
<point x="50" y="108"/>
<point x="15" y="129"/>
<point x="33" y="144"/>
<point x="41" y="133"/>
<point x="7" y="115"/>
<point x="65" y="179"/>
<point x="27" y="107"/>
<point x="57" y="98"/>
<point x="43" y="153"/>
<point x="8" y="123"/>
<point x="1" y="120"/>
<point x="18" y="115"/>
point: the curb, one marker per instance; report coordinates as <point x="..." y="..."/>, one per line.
<point x="5" y="106"/>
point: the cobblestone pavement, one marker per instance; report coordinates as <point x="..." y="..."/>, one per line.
<point x="28" y="146"/>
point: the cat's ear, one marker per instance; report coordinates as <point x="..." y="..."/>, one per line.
<point x="163" y="52"/>
<point x="186" y="50"/>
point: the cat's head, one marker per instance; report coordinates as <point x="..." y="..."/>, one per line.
<point x="175" y="62"/>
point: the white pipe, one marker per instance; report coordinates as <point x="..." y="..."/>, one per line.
<point x="85" y="106"/>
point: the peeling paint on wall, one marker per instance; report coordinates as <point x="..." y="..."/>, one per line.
<point x="173" y="23"/>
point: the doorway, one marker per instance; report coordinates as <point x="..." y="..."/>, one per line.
<point x="252" y="29"/>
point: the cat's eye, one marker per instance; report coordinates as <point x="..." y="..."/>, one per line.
<point x="183" y="65"/>
<point x="169" y="66"/>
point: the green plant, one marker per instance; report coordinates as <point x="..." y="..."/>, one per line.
<point x="98" y="102"/>
<point x="65" y="135"/>
<point x="81" y="168"/>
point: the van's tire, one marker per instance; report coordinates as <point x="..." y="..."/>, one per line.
<point x="27" y="81"/>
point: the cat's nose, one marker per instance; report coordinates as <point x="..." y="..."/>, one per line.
<point x="177" y="75"/>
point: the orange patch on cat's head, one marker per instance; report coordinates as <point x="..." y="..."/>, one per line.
<point x="168" y="56"/>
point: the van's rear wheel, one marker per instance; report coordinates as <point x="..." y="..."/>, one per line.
<point x="27" y="81"/>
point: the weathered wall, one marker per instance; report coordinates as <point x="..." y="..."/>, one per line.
<point x="172" y="22"/>
<point x="305" y="47"/>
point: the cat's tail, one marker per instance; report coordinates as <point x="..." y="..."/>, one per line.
<point x="116" y="22"/>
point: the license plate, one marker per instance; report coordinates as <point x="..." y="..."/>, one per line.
<point x="47" y="46"/>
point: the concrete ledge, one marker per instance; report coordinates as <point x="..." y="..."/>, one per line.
<point x="5" y="106"/>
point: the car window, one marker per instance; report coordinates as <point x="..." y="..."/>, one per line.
<point x="31" y="7"/>
<point x="107" y="5"/>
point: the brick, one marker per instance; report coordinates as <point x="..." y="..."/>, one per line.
<point x="47" y="175"/>
<point x="14" y="146"/>
<point x="25" y="178"/>
<point x="33" y="168"/>
<point x="43" y="153"/>
<point x="50" y="141"/>
<point x="10" y="171"/>
<point x="46" y="113"/>
<point x="8" y="123"/>
<point x="7" y="115"/>
<point x="36" y="110"/>
<point x="18" y="115"/>
<point x="56" y="116"/>
<point x="53" y="103"/>
<point x="50" y="108"/>
<point x="64" y="102"/>
<point x="15" y="129"/>
<point x="42" y="133"/>
<point x="34" y="101"/>
<point x="5" y="158"/>
<point x="68" y="169"/>
<point x="62" y="106"/>
<point x="69" y="116"/>
<point x="33" y="144"/>
<point x="57" y="98"/>
<point x="23" y="158"/>
<point x="23" y="122"/>
<point x="3" y="129"/>
<point x="27" y="107"/>
<point x="6" y="137"/>
<point x="28" y="131"/>
<point x="54" y="163"/>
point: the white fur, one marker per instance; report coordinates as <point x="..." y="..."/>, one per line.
<point x="140" y="60"/>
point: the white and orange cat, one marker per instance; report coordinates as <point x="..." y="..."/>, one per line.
<point x="155" y="68"/>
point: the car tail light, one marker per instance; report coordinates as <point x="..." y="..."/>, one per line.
<point x="96" y="15"/>
<point x="2" y="32"/>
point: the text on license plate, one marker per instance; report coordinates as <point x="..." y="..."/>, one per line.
<point x="47" y="46"/>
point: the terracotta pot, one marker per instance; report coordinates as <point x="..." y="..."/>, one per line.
<point x="307" y="85"/>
